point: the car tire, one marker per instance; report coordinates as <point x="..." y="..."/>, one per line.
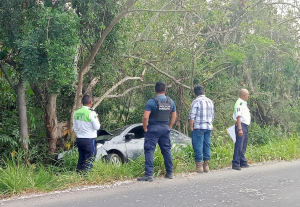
<point x="115" y="159"/>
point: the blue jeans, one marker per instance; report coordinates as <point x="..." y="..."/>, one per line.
<point x="201" y="144"/>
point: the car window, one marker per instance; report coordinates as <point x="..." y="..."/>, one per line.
<point x="179" y="138"/>
<point x="138" y="132"/>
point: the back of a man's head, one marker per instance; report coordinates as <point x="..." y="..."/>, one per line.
<point x="86" y="100"/>
<point x="199" y="90"/>
<point x="160" y="87"/>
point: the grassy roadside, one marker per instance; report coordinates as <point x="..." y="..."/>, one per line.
<point x="18" y="178"/>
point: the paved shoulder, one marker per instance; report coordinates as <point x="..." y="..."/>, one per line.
<point x="274" y="184"/>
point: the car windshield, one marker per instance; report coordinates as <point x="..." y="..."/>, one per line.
<point x="179" y="138"/>
<point x="113" y="133"/>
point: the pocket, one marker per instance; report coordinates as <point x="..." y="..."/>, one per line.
<point x="152" y="128"/>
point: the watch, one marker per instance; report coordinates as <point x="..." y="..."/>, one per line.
<point x="240" y="129"/>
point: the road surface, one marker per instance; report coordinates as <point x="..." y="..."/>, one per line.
<point x="267" y="185"/>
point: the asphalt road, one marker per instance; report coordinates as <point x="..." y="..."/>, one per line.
<point x="272" y="184"/>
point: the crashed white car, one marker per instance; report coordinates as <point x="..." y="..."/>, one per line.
<point x="127" y="143"/>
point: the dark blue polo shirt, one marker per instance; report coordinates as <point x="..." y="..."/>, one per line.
<point x="151" y="106"/>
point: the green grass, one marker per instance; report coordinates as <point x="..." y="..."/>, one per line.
<point x="18" y="178"/>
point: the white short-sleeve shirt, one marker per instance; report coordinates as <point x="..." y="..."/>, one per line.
<point x="241" y="109"/>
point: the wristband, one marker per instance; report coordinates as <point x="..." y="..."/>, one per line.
<point x="240" y="129"/>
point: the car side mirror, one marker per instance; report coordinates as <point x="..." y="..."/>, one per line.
<point x="129" y="136"/>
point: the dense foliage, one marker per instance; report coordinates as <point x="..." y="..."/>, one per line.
<point x="223" y="45"/>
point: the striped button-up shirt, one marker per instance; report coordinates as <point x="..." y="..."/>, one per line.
<point x="202" y="112"/>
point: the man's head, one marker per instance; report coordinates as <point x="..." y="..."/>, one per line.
<point x="160" y="87"/>
<point x="199" y="90"/>
<point x="244" y="94"/>
<point x="87" y="100"/>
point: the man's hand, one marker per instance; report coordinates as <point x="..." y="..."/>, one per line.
<point x="145" y="120"/>
<point x="191" y="122"/>
<point x="240" y="133"/>
<point x="239" y="126"/>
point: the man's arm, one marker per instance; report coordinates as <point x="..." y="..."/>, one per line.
<point x="239" y="126"/>
<point x="145" y="120"/>
<point x="95" y="120"/>
<point x="173" y="119"/>
<point x="191" y="121"/>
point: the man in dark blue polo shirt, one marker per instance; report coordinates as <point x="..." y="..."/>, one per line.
<point x="157" y="124"/>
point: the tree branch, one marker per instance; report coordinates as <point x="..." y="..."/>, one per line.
<point x="216" y="73"/>
<point x="85" y="68"/>
<point x="7" y="77"/>
<point x="128" y="90"/>
<point x="163" y="11"/>
<point x="48" y="28"/>
<point x="289" y="4"/>
<point x="160" y="71"/>
<point x="92" y="85"/>
<point x="98" y="101"/>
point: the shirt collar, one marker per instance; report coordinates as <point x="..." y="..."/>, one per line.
<point x="86" y="107"/>
<point x="244" y="102"/>
<point x="201" y="96"/>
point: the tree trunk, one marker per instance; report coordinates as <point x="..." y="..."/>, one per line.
<point x="50" y="119"/>
<point x="179" y="107"/>
<point x="22" y="112"/>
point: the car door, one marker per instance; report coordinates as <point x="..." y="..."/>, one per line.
<point x="135" y="145"/>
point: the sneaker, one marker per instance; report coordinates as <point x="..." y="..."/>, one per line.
<point x="146" y="178"/>
<point x="169" y="176"/>
<point x="245" y="166"/>
<point x="236" y="167"/>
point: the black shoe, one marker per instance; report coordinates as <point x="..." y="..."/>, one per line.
<point x="236" y="167"/>
<point x="245" y="166"/>
<point x="146" y="178"/>
<point x="169" y="176"/>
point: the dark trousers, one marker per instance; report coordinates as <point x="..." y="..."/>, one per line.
<point x="240" y="146"/>
<point x="87" y="150"/>
<point x="157" y="134"/>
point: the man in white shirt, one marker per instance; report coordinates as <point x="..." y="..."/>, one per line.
<point x="85" y="124"/>
<point x="242" y="117"/>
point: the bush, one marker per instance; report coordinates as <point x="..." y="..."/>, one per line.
<point x="262" y="135"/>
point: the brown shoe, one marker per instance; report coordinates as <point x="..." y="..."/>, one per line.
<point x="205" y="166"/>
<point x="199" y="167"/>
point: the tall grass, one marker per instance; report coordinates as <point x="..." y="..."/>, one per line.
<point x="17" y="177"/>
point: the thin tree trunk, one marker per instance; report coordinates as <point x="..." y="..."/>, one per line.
<point x="51" y="123"/>
<point x="20" y="90"/>
<point x="22" y="112"/>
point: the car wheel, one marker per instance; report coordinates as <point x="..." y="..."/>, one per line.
<point x="115" y="159"/>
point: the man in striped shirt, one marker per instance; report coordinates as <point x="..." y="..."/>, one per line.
<point x="200" y="119"/>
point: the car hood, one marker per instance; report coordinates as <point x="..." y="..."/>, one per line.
<point x="103" y="135"/>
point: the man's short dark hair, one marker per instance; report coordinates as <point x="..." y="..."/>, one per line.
<point x="160" y="87"/>
<point x="199" y="90"/>
<point x="86" y="99"/>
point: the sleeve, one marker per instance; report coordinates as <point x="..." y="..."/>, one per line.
<point x="173" y="106"/>
<point x="213" y="111"/>
<point x="94" y="120"/>
<point x="148" y="105"/>
<point x="238" y="110"/>
<point x="193" y="111"/>
<point x="75" y="125"/>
